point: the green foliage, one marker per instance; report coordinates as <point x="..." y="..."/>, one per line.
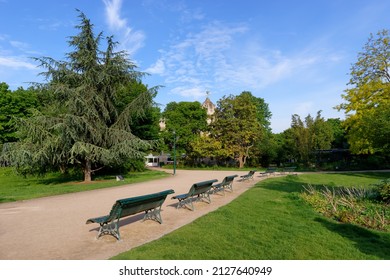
<point x="144" y="125"/>
<point x="309" y="135"/>
<point x="187" y="120"/>
<point x="367" y="102"/>
<point x="13" y="105"/>
<point x="84" y="125"/>
<point x="239" y="123"/>
<point x="383" y="190"/>
<point x="350" y="205"/>
<point x="339" y="134"/>
<point x="206" y="146"/>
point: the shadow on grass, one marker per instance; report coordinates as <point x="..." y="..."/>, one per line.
<point x="289" y="184"/>
<point x="374" y="174"/>
<point x="3" y="200"/>
<point x="58" y="180"/>
<point x="368" y="242"/>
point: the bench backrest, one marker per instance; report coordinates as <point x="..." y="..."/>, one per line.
<point x="228" y="179"/>
<point x="201" y="187"/>
<point x="129" y="206"/>
<point x="271" y="169"/>
<point x="291" y="168"/>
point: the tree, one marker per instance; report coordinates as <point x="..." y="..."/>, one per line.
<point x="187" y="120"/>
<point x="339" y="134"/>
<point x="205" y="146"/>
<point x="83" y="126"/>
<point x="367" y="101"/>
<point x="14" y="104"/>
<point x="310" y="135"/>
<point x="145" y="126"/>
<point x="239" y="122"/>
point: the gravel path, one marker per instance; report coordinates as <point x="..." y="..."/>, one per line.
<point x="54" y="227"/>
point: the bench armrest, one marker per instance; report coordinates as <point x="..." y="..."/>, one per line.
<point x="99" y="220"/>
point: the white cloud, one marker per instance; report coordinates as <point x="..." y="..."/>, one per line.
<point x="19" y="45"/>
<point x="16" y="63"/>
<point x="156" y="68"/>
<point x="113" y="14"/>
<point x="223" y="58"/>
<point x="194" y="93"/>
<point x="131" y="40"/>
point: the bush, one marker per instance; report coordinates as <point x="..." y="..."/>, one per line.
<point x="351" y="205"/>
<point x="383" y="190"/>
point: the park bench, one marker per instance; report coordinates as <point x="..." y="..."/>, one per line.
<point x="248" y="176"/>
<point x="150" y="204"/>
<point x="290" y="170"/>
<point x="269" y="171"/>
<point x="199" y="191"/>
<point x="227" y="183"/>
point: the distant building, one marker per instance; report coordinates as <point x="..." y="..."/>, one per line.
<point x="162" y="124"/>
<point x="157" y="160"/>
<point x="210" y="107"/>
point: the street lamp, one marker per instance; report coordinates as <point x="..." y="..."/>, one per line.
<point x="174" y="152"/>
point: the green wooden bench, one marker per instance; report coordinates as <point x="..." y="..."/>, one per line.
<point x="227" y="183"/>
<point x="248" y="176"/>
<point x="269" y="171"/>
<point x="150" y="204"/>
<point x="289" y="170"/>
<point x="201" y="191"/>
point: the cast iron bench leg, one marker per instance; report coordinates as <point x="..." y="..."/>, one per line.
<point x="153" y="214"/>
<point x="110" y="228"/>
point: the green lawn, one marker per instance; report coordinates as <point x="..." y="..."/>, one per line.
<point x="14" y="187"/>
<point x="271" y="221"/>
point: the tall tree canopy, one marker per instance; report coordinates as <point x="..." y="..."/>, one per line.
<point x="310" y="135"/>
<point x="367" y="101"/>
<point x="14" y="104"/>
<point x="84" y="126"/>
<point x="187" y="120"/>
<point x="239" y="122"/>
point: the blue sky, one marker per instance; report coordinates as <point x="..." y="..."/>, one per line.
<point x="294" y="54"/>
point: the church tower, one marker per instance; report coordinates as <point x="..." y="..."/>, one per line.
<point x="210" y="108"/>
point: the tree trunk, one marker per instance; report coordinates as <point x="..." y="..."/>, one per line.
<point x="241" y="161"/>
<point x="87" y="171"/>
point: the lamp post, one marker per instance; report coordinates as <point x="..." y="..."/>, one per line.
<point x="174" y="152"/>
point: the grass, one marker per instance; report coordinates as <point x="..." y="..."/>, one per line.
<point x="14" y="187"/>
<point x="271" y="221"/>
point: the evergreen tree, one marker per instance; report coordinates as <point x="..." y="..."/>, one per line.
<point x="84" y="126"/>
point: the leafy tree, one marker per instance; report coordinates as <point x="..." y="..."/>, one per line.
<point x="266" y="150"/>
<point x="205" y="146"/>
<point x="339" y="134"/>
<point x="84" y="126"/>
<point x="187" y="120"/>
<point x="239" y="122"/>
<point x="146" y="125"/>
<point x="310" y="135"/>
<point x="301" y="136"/>
<point x="14" y="104"/>
<point x="367" y="101"/>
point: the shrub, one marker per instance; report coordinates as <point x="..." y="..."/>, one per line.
<point x="351" y="205"/>
<point x="383" y="190"/>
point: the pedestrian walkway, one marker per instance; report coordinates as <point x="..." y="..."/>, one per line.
<point x="54" y="227"/>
